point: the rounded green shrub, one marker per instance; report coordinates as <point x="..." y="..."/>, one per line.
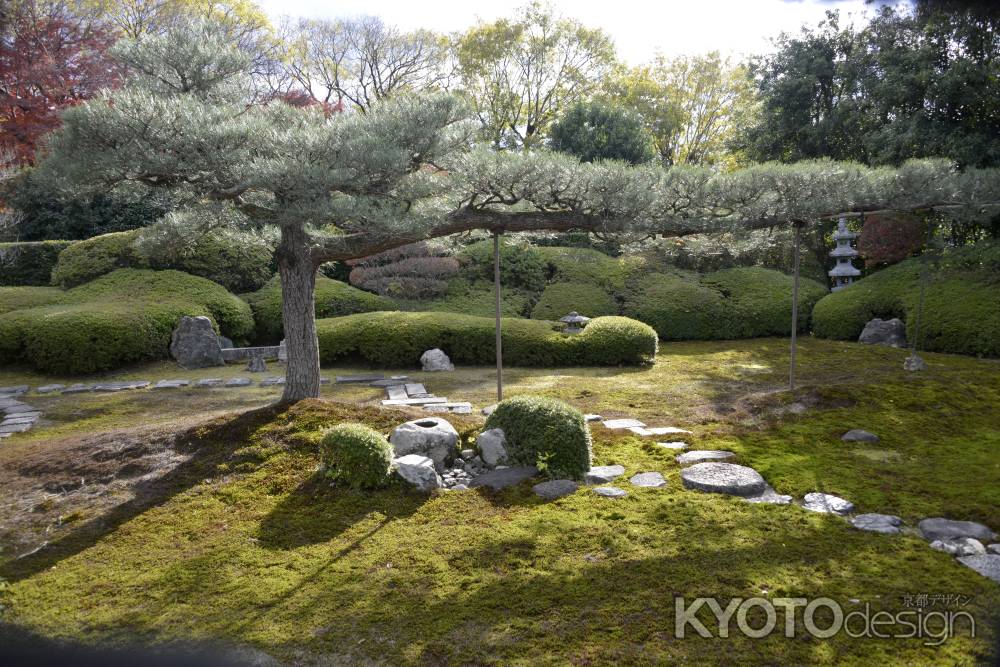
<point x="961" y="307"/>
<point x="521" y="265"/>
<point x="356" y="456"/>
<point x="85" y="260"/>
<point x="399" y="338"/>
<point x="332" y="298"/>
<point x="677" y="306"/>
<point x="17" y="298"/>
<point x="546" y="433"/>
<point x="30" y="262"/>
<point x="473" y="298"/>
<point x="587" y="265"/>
<point x="558" y="299"/>
<point x="759" y="300"/>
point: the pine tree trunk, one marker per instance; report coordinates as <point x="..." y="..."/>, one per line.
<point x="298" y="283"/>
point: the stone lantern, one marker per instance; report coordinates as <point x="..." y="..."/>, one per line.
<point x="843" y="273"/>
<point x="574" y="322"/>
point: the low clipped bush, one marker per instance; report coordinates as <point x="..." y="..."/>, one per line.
<point x="124" y="317"/>
<point x="546" y="433"/>
<point x="332" y="298"/>
<point x="733" y="303"/>
<point x="961" y="307"/>
<point x="356" y="456"/>
<point x="558" y="299"/>
<point x="86" y="260"/>
<point x="16" y="298"/>
<point x="29" y="263"/>
<point x="399" y="338"/>
<point x="473" y="298"/>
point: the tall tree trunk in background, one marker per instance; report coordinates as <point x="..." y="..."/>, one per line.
<point x="298" y="283"/>
<point x="496" y="289"/>
<point x="795" y="302"/>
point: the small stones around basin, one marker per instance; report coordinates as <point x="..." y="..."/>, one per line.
<point x="555" y="488"/>
<point x="727" y="478"/>
<point x="617" y="424"/>
<point x="610" y="492"/>
<point x="501" y="478"/>
<point x="703" y="455"/>
<point x="238" y="382"/>
<point x="419" y="471"/>
<point x="603" y="474"/>
<point x="959" y="546"/>
<point x="678" y="445"/>
<point x="49" y="388"/>
<point x="859" y="435"/>
<point x="468" y="454"/>
<point x="938" y="528"/>
<point x="171" y="384"/>
<point x="987" y="565"/>
<point x="359" y="379"/>
<point x="593" y="418"/>
<point x="887" y="524"/>
<point x="827" y="503"/>
<point x="78" y="388"/>
<point x="770" y="497"/>
<point x="650" y="480"/>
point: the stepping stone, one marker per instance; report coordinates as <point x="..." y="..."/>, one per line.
<point x="15" y="390"/>
<point x="650" y="480"/>
<point x="30" y="414"/>
<point x="639" y="431"/>
<point x="49" y="388"/>
<point x="610" y="492"/>
<point x="827" y="503"/>
<point x="78" y="388"/>
<point x="887" y="524"/>
<point x="171" y="384"/>
<point x="391" y="382"/>
<point x="961" y="546"/>
<point x="987" y="565"/>
<point x="324" y="380"/>
<point x="668" y="430"/>
<point x="501" y="478"/>
<point x="672" y="445"/>
<point x="615" y="424"/>
<point x="435" y="408"/>
<point x="458" y="408"/>
<point x="857" y="435"/>
<point x="728" y="478"/>
<point x="272" y="381"/>
<point x="22" y="418"/>
<point x="942" y="529"/>
<point x="703" y="455"/>
<point x="593" y="418"/>
<point x="359" y="379"/>
<point x="396" y="393"/>
<point x="414" y="388"/>
<point x="770" y="497"/>
<point x="17" y="409"/>
<point x="556" y="488"/>
<point x="209" y="382"/>
<point x="7" y="401"/>
<point x="14" y="428"/>
<point x="433" y="400"/>
<point x="603" y="474"/>
<point x="121" y="386"/>
<point x="239" y="382"/>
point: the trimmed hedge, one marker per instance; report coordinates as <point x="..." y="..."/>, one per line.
<point x="29" y="263"/>
<point x="521" y="265"/>
<point x="399" y="338"/>
<point x="961" y="306"/>
<point x="475" y="298"/>
<point x="586" y="265"/>
<point x="86" y="260"/>
<point x="546" y="433"/>
<point x="17" y="298"/>
<point x="357" y="456"/>
<point x="559" y="299"/>
<point x="332" y="298"/>
<point x="734" y="303"/>
<point x="124" y="317"/>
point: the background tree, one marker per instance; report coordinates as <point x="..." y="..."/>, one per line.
<point x="597" y="131"/>
<point x="520" y="73"/>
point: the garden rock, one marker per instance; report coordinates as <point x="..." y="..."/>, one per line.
<point x="436" y="360"/>
<point x="994" y="549"/>
<point x="256" y="364"/>
<point x="938" y="528"/>
<point x="556" y="488"/>
<point x="960" y="546"/>
<point x="769" y="497"/>
<point x="603" y="474"/>
<point x="610" y="492"/>
<point x="468" y="454"/>
<point x="16" y="390"/>
<point x="703" y="455"/>
<point x="672" y="445"/>
<point x="859" y="435"/>
<point x="650" y="480"/>
<point x="987" y="565"/>
<point x="884" y="332"/>
<point x="501" y="478"/>
<point x="887" y="524"/>
<point x="78" y="388"/>
<point x="419" y="471"/>
<point x="194" y="343"/>
<point x="492" y="446"/>
<point x="728" y="478"/>
<point x="827" y="504"/>
<point x="432" y="437"/>
<point x="914" y="363"/>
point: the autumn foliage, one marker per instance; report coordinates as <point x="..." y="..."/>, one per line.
<point x="887" y="238"/>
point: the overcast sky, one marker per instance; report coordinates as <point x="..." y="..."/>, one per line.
<point x="640" y="28"/>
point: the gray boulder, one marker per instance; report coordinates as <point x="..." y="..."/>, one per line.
<point x="432" y="437"/>
<point x="987" y="565"/>
<point x="859" y="435"/>
<point x="418" y="471"/>
<point x="960" y="546"/>
<point x="556" y="488"/>
<point x="884" y="332"/>
<point x="914" y="363"/>
<point x="887" y="524"/>
<point x="436" y="360"/>
<point x="603" y="474"/>
<point x="257" y="364"/>
<point x="994" y="549"/>
<point x="492" y="446"/>
<point x="938" y="528"/>
<point x="194" y="343"/>
<point x="827" y="503"/>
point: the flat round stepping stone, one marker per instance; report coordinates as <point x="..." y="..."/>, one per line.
<point x="49" y="388"/>
<point x="859" y="435"/>
<point x="650" y="480"/>
<point x="827" y="503"/>
<point x="555" y="488"/>
<point x="987" y="565"/>
<point x="887" y="524"/>
<point x="703" y="455"/>
<point x="672" y="445"/>
<point x="501" y="478"/>
<point x="615" y="424"/>
<point x="610" y="492"/>
<point x="603" y="474"/>
<point x="938" y="528"/>
<point x="727" y="478"/>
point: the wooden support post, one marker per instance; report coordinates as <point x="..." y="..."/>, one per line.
<point x="795" y="304"/>
<point x="496" y="289"/>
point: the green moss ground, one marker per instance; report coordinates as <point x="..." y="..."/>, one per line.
<point x="248" y="544"/>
